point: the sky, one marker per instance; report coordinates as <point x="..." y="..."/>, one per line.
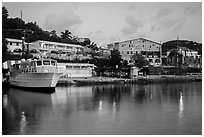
<point x="109" y="22"/>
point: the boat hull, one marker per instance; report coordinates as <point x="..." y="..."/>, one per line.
<point x="35" y="80"/>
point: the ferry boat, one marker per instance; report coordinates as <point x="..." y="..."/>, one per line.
<point x="35" y="74"/>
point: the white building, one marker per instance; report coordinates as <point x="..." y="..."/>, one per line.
<point x="149" y="49"/>
<point x="14" y="44"/>
<point x="76" y="69"/>
<point x="47" y="46"/>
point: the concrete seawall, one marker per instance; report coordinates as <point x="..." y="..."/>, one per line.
<point x="137" y="80"/>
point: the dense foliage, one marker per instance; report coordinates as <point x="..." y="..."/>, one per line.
<point x="182" y="43"/>
<point x="139" y="60"/>
<point x="15" y="28"/>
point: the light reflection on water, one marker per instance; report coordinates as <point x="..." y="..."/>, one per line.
<point x="105" y="109"/>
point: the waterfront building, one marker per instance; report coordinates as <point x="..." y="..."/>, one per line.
<point x="149" y="49"/>
<point x="15" y="45"/>
<point x="48" y="47"/>
<point x="184" y="56"/>
<point x="71" y="70"/>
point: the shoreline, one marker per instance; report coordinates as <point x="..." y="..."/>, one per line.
<point x="137" y="80"/>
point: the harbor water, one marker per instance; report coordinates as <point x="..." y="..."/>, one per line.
<point x="154" y="109"/>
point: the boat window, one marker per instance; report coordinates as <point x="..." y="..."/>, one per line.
<point x="46" y="62"/>
<point x="39" y="63"/>
<point x="84" y="67"/>
<point x="68" y="67"/>
<point x="76" y="67"/>
<point x="53" y="63"/>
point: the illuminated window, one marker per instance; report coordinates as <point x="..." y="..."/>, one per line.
<point x="46" y="62"/>
<point x="53" y="63"/>
<point x="39" y="63"/>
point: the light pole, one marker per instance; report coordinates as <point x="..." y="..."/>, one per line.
<point x="26" y="51"/>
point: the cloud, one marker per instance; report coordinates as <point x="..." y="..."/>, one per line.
<point x="175" y="24"/>
<point x="193" y="9"/>
<point x="62" y="20"/>
<point x="96" y="33"/>
<point x="162" y="13"/>
<point x="132" y="25"/>
<point x="179" y="25"/>
<point x="153" y="28"/>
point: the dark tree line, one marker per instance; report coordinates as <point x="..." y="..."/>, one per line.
<point x="182" y="43"/>
<point x="14" y="28"/>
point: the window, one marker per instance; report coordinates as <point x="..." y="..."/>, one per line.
<point x="46" y="62"/>
<point x="76" y="67"/>
<point x="131" y="52"/>
<point x="84" y="67"/>
<point x="17" y="44"/>
<point x="127" y="52"/>
<point x="53" y="63"/>
<point x="10" y="43"/>
<point x="68" y="67"/>
<point x="157" y="61"/>
<point x="39" y="63"/>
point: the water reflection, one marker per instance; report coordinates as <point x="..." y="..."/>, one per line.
<point x="22" y="107"/>
<point x="105" y="109"/>
<point x="181" y="106"/>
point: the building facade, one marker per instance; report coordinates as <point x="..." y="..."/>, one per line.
<point x="71" y="70"/>
<point x="15" y="44"/>
<point x="183" y="56"/>
<point x="149" y="49"/>
<point x="47" y="46"/>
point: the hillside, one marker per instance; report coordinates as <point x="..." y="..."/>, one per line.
<point x="182" y="43"/>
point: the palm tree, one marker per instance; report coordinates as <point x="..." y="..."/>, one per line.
<point x="66" y="34"/>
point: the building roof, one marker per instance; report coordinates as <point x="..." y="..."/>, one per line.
<point x="13" y="40"/>
<point x="139" y="39"/>
<point x="57" y="43"/>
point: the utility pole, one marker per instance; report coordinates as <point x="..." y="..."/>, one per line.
<point x="160" y="52"/>
<point x="21" y="14"/>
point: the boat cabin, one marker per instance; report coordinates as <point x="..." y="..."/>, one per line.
<point x="36" y="66"/>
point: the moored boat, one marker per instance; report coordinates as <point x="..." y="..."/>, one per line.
<point x="39" y="75"/>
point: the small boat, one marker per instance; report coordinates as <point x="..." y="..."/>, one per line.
<point x="41" y="74"/>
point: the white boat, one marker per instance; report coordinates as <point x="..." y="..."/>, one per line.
<point x="35" y="74"/>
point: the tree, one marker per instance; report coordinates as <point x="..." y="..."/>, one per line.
<point x="5" y="52"/>
<point x="4" y="13"/>
<point x="115" y="58"/>
<point x="66" y="36"/>
<point x="175" y="58"/>
<point x="85" y="42"/>
<point x="166" y="46"/>
<point x="139" y="60"/>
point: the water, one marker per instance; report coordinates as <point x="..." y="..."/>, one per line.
<point x="164" y="109"/>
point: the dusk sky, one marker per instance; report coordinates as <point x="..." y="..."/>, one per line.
<point x="110" y="22"/>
